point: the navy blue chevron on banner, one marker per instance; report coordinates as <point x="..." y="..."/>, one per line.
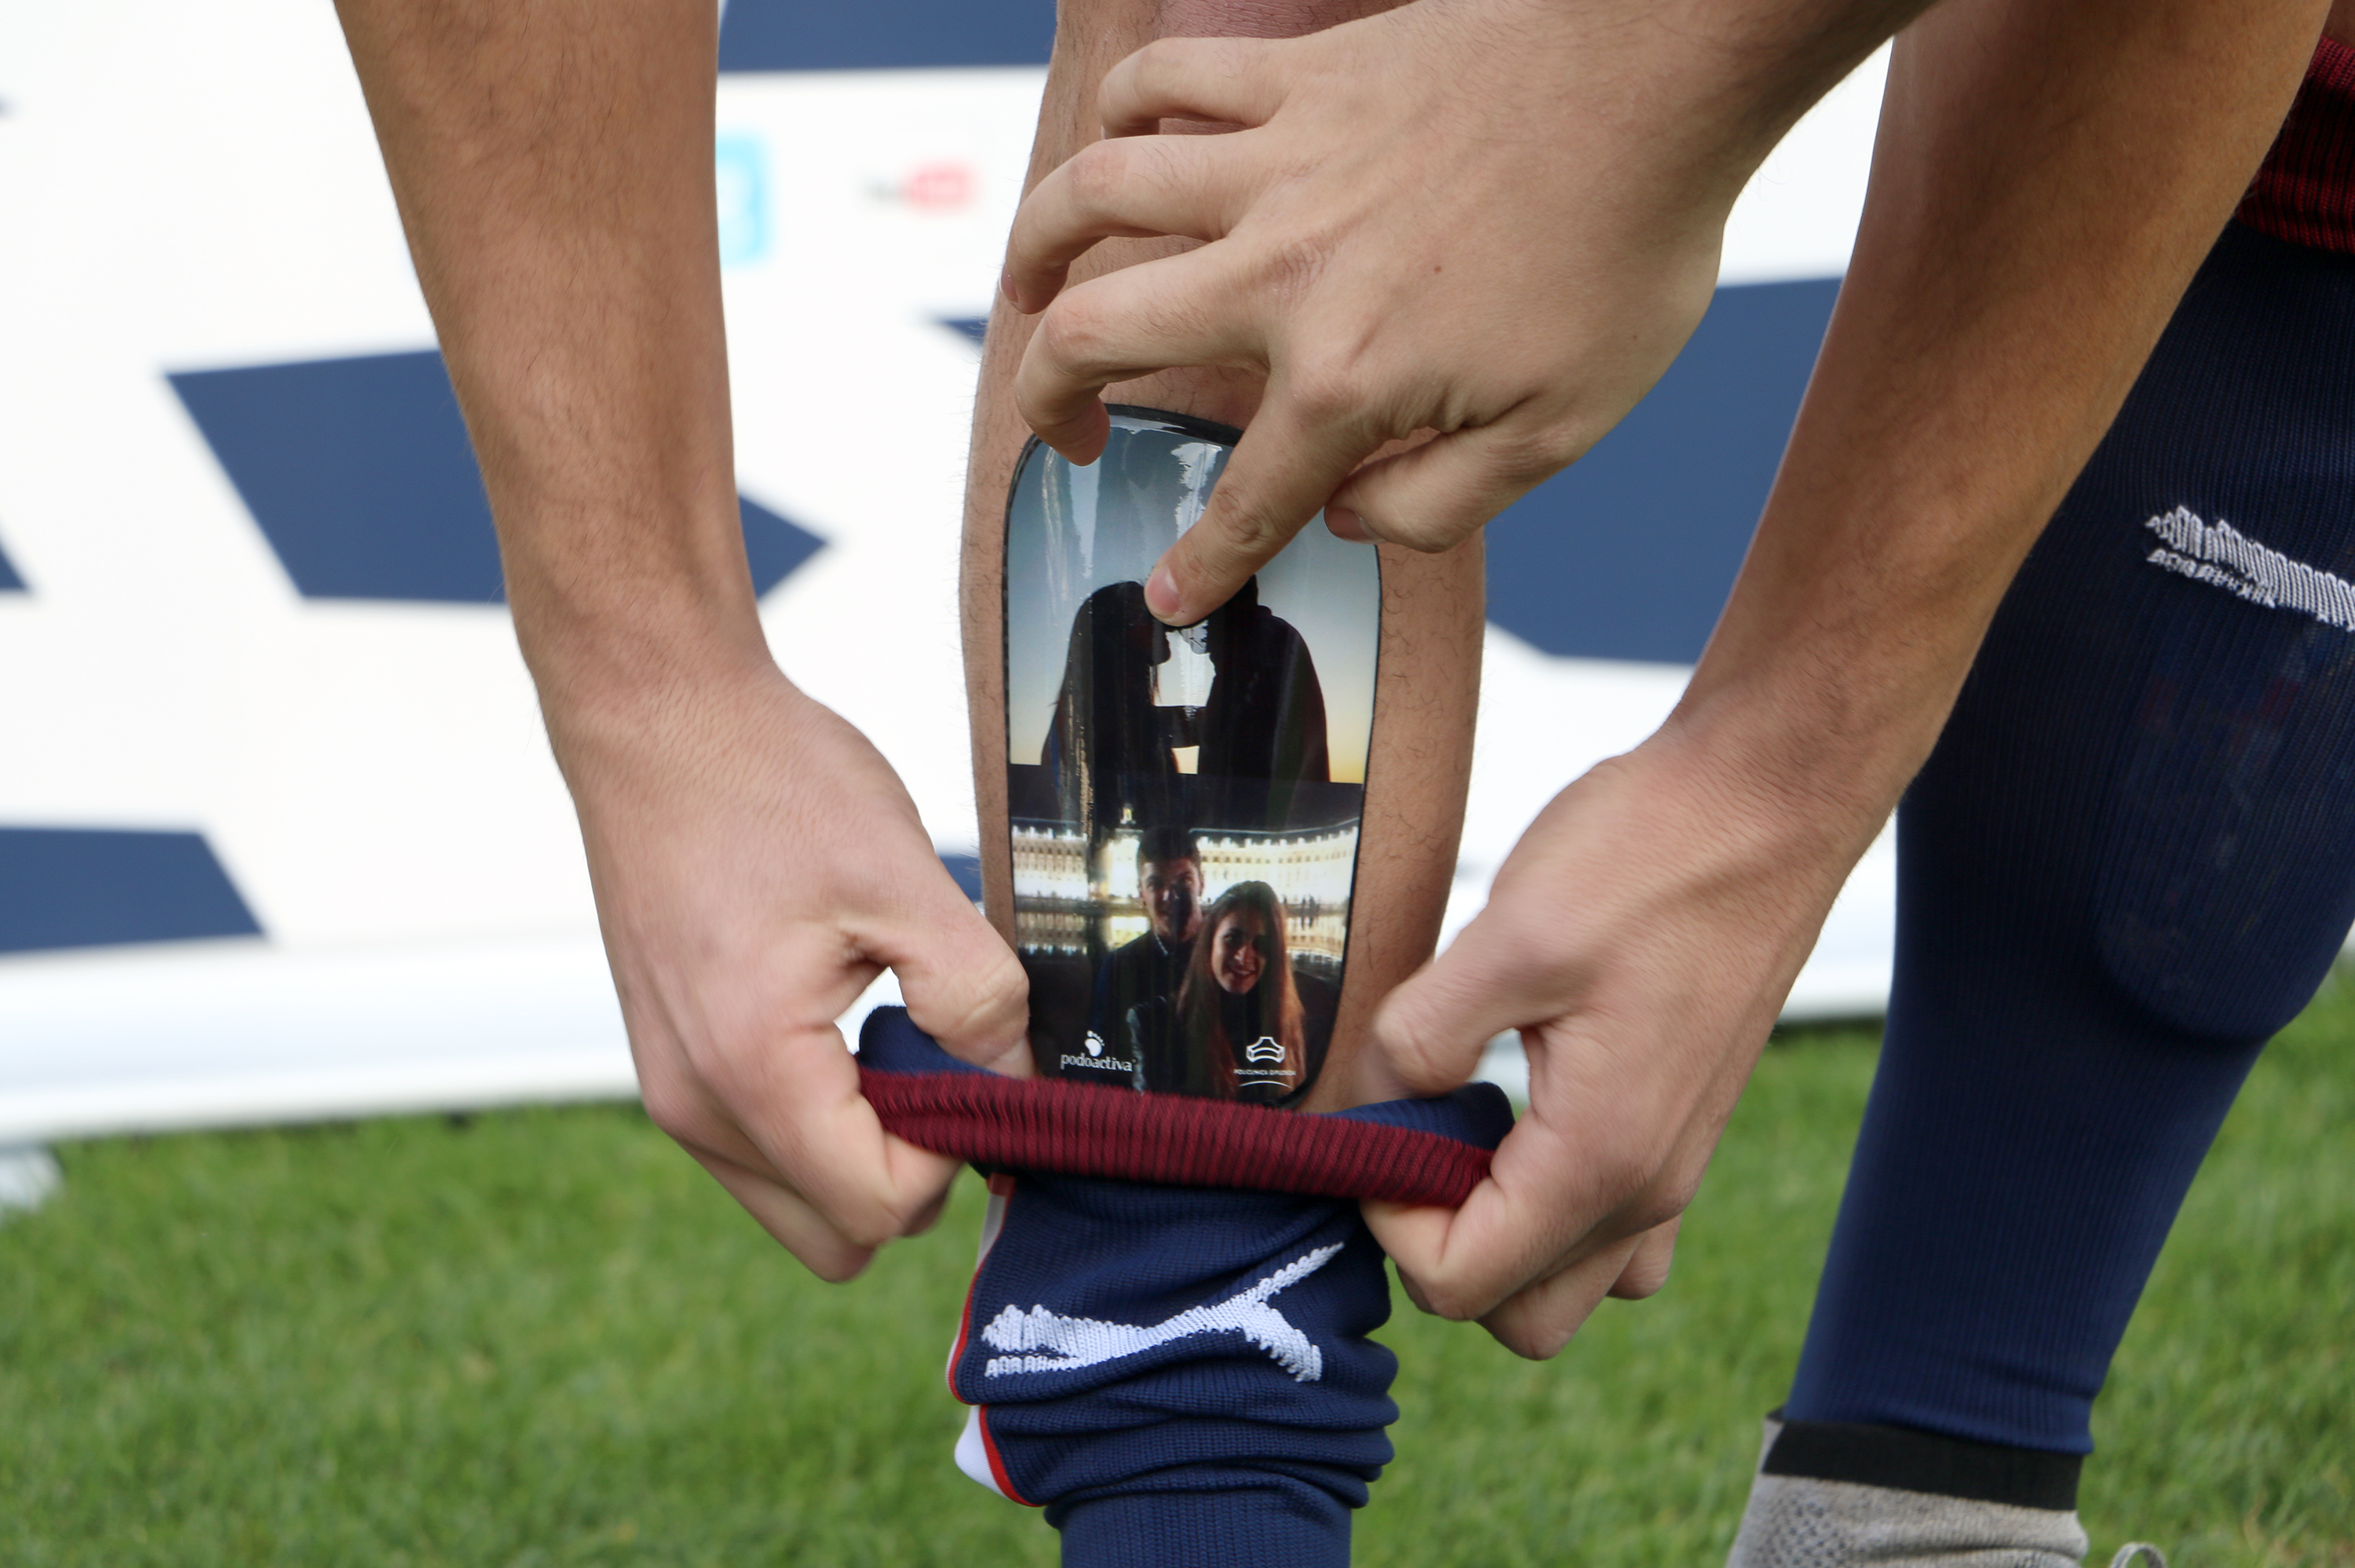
<point x="90" y="887"/>
<point x="884" y="35"/>
<point x="1629" y="553"/>
<point x="359" y="474"/>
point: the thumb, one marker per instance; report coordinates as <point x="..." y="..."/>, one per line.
<point x="1429" y="1034"/>
<point x="1433" y="496"/>
<point x="962" y="985"/>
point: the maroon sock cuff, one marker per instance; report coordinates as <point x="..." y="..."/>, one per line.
<point x="1408" y="1151"/>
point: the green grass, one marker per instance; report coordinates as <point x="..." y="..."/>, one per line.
<point x="545" y="1337"/>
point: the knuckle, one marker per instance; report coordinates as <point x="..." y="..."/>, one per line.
<point x="1413" y="1045"/>
<point x="836" y="1265"/>
<point x="1540" y="1345"/>
<point x="1328" y="387"/>
<point x="1073" y="334"/>
<point x="868" y="1233"/>
<point x="1523" y="458"/>
<point x="1160" y="59"/>
<point x="1674" y="1196"/>
<point x="1420" y="532"/>
<point x="1663" y="1201"/>
<point x="1525" y="1332"/>
<point x="1096" y="174"/>
<point x="1288" y="269"/>
<point x="1251" y="531"/>
<point x="1619" y="1176"/>
<point x="678" y="1113"/>
<point x="1452" y="1301"/>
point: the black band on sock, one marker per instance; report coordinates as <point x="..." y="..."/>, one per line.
<point x="1906" y="1460"/>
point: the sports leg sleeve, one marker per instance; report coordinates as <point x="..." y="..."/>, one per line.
<point x="2131" y="860"/>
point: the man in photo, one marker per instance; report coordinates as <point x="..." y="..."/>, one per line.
<point x="1149" y="969"/>
<point x="1265" y="716"/>
<point x="1234" y="698"/>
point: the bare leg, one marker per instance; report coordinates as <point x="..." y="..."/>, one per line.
<point x="1432" y="605"/>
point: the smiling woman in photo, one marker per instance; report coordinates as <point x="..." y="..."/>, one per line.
<point x="1238" y="1029"/>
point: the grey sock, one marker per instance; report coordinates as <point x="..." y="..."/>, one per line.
<point x="1814" y="1520"/>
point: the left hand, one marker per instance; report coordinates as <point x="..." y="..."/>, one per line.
<point x="1641" y="938"/>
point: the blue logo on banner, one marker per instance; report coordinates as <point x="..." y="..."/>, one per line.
<point x="884" y="35"/>
<point x="1628" y="554"/>
<point x="359" y="472"/>
<point x="9" y="581"/>
<point x="741" y="166"/>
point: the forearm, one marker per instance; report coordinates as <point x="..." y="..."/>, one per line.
<point x="2045" y="183"/>
<point x="553" y="169"/>
<point x="756" y="862"/>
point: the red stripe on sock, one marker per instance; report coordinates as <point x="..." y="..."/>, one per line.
<point x="1001" y="1186"/>
<point x="996" y="1462"/>
<point x="2305" y="191"/>
<point x="1079" y="1129"/>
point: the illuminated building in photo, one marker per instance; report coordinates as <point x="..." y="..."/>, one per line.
<point x="1058" y="895"/>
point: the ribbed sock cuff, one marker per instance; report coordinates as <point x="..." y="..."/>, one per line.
<point x="1907" y="1460"/>
<point x="1407" y="1151"/>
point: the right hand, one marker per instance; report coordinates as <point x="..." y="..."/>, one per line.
<point x="757" y="863"/>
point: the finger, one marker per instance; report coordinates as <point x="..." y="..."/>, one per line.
<point x="1647" y="1270"/>
<point x="921" y="1181"/>
<point x="1432" y="497"/>
<point x="1149" y="186"/>
<point x="1287" y="464"/>
<point x="1544" y="1205"/>
<point x="1429" y="1034"/>
<point x="823" y="1249"/>
<point x="962" y="985"/>
<point x="797" y="1106"/>
<point x="932" y="1213"/>
<point x="1178" y="311"/>
<point x="1538" y="1321"/>
<point x="1234" y="82"/>
<point x="1466" y="1262"/>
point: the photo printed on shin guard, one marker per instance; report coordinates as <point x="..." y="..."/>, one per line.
<point x="1184" y="803"/>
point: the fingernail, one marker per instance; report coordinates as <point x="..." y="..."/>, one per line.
<point x="1005" y="287"/>
<point x="1346" y="524"/>
<point x="1161" y="595"/>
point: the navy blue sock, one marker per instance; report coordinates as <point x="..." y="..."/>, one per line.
<point x="1166" y="1344"/>
<point x="2129" y="861"/>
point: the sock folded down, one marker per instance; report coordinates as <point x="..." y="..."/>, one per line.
<point x="1407" y="1151"/>
<point x="1180" y="1373"/>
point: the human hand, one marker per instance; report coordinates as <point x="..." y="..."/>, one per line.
<point x="1641" y="937"/>
<point x="1489" y="223"/>
<point x="757" y="863"/>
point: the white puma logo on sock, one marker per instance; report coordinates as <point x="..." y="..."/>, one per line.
<point x="1088" y="1342"/>
<point x="2219" y="553"/>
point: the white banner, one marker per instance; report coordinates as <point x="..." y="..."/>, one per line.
<point x="280" y="836"/>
